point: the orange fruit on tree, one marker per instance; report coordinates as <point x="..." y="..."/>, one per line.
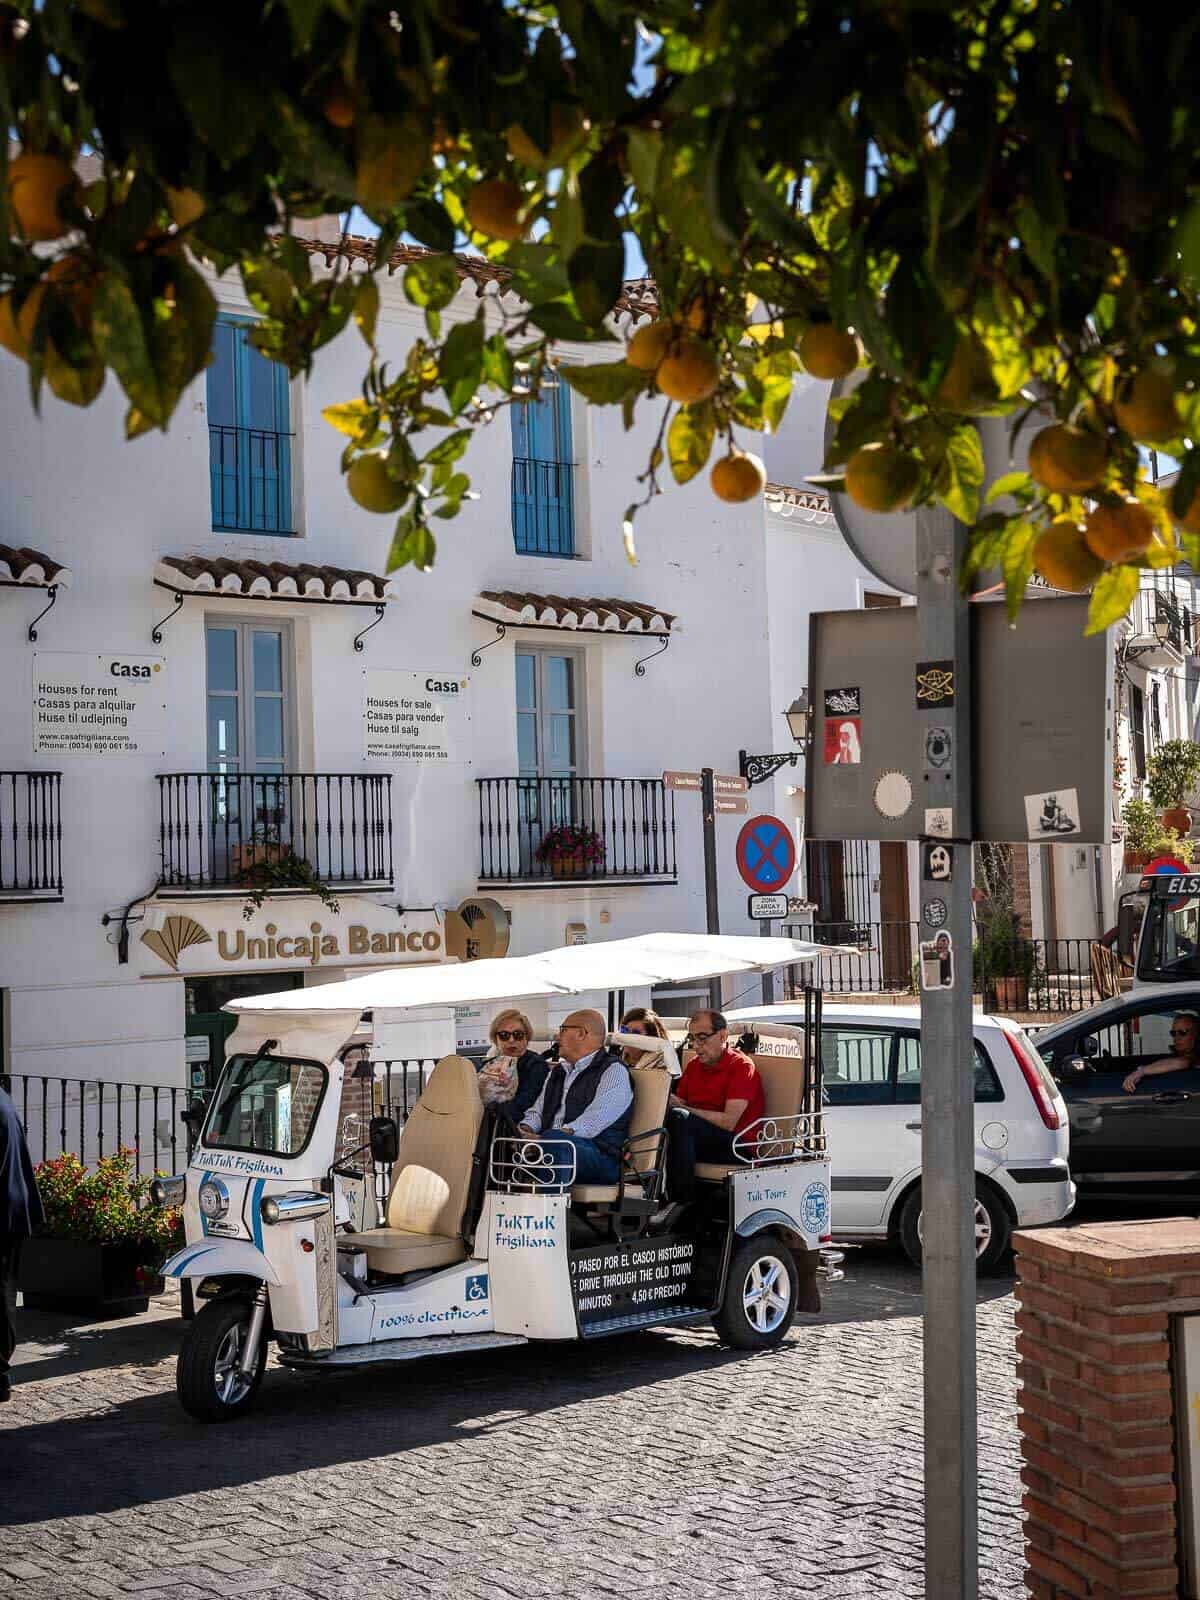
<point x="738" y="476"/>
<point x="881" y="477"/>
<point x="689" y="371"/>
<point x="649" y="345"/>
<point x="338" y="109"/>
<point x="494" y="208"/>
<point x="1062" y="557"/>
<point x="185" y="205"/>
<point x="1118" y="531"/>
<point x="35" y="184"/>
<point x="967" y="385"/>
<point x="372" y="486"/>
<point x="827" y="352"/>
<point x="1067" y="459"/>
<point x="1144" y="406"/>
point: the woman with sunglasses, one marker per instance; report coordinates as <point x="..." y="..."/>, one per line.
<point x="646" y="1024"/>
<point x="1185" y="1048"/>
<point x="512" y="1077"/>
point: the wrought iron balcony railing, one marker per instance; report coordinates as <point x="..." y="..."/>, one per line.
<point x="31" y="836"/>
<point x="230" y="830"/>
<point x="539" y="830"/>
<point x="251" y="474"/>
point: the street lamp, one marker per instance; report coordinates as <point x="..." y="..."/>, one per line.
<point x="757" y="769"/>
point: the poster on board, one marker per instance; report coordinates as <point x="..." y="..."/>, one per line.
<point x="415" y="717"/>
<point x="87" y="704"/>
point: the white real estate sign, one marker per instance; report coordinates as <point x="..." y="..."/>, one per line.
<point x="415" y="716"/>
<point x="98" y="705"/>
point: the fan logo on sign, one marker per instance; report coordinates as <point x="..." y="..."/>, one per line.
<point x="814" y="1208"/>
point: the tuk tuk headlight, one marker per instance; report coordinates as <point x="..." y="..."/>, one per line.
<point x="168" y="1191"/>
<point x="213" y="1199"/>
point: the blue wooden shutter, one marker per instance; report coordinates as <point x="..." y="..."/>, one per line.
<point x="543" y="487"/>
<point x="249" y="435"/>
<point x="222" y="426"/>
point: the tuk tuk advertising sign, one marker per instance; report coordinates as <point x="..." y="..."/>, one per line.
<point x="105" y="704"/>
<point x="415" y="716"/>
<point x="655" y="1274"/>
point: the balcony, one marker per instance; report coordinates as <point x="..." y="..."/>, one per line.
<point x="30" y="836"/>
<point x="1161" y="627"/>
<point x="613" y="830"/>
<point x="543" y="507"/>
<point x="250" y="469"/>
<point x="238" y="831"/>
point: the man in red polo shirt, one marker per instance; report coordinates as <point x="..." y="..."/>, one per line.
<point x="719" y="1094"/>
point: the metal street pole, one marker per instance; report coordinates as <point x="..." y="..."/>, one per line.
<point x="947" y="1079"/>
<point x="708" y="812"/>
<point x="768" y="978"/>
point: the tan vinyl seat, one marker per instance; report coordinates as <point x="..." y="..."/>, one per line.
<point x="783" y="1091"/>
<point x="651" y="1086"/>
<point x="432" y="1174"/>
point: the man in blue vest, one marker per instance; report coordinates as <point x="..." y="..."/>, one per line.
<point x="586" y="1102"/>
<point x="20" y="1214"/>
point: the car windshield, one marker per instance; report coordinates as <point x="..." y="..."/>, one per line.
<point x="1171" y="941"/>
<point x="267" y="1104"/>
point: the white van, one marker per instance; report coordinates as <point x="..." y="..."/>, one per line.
<point x="871" y="1056"/>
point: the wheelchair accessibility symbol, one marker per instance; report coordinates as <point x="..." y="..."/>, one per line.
<point x="477" y="1288"/>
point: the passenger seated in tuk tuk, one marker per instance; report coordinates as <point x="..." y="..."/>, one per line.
<point x="586" y="1103"/>
<point x="511" y="1079"/>
<point x="719" y="1094"/>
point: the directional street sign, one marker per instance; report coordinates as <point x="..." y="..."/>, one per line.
<point x="682" y="780"/>
<point x="766" y="854"/>
<point x="766" y="907"/>
<point x="737" y="804"/>
<point x="693" y="780"/>
<point x="729" y="785"/>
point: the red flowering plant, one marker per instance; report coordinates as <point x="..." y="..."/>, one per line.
<point x="109" y="1204"/>
<point x="567" y="843"/>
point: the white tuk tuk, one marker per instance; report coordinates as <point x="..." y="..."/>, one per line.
<point x="476" y="1242"/>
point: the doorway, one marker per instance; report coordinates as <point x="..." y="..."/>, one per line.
<point x="207" y="1026"/>
<point x="895" y="934"/>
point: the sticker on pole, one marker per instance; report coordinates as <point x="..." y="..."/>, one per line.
<point x="937" y="962"/>
<point x="766" y="854"/>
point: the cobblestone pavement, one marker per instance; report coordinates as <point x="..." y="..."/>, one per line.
<point x="650" y="1465"/>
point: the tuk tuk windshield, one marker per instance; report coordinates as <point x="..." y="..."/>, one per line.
<point x="1170" y="946"/>
<point x="265" y="1104"/>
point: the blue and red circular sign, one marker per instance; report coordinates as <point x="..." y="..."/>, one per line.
<point x="766" y="854"/>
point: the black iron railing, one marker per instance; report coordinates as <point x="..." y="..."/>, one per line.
<point x="543" y="507"/>
<point x="93" y="1118"/>
<point x="1042" y="975"/>
<point x="275" y="830"/>
<point x="882" y="962"/>
<point x="31" y="836"/>
<point x="536" y="830"/>
<point x="251" y="474"/>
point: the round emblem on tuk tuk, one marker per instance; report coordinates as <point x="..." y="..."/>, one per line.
<point x="814" y="1208"/>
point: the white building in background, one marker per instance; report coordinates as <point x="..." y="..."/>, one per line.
<point x="213" y="685"/>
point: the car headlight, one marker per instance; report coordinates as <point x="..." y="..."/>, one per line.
<point x="213" y="1198"/>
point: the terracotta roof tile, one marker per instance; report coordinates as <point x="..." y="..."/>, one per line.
<point x="31" y="568"/>
<point x="570" y="612"/>
<point x="270" y="580"/>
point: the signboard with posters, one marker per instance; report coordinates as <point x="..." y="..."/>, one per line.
<point x="86" y="704"/>
<point x="419" y="717"/>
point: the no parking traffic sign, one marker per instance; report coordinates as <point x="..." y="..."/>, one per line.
<point x="766" y="854"/>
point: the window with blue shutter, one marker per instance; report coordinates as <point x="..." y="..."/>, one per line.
<point x="543" y="476"/>
<point x="249" y="435"/>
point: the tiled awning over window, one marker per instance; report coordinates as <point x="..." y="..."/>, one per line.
<point x="30" y="569"/>
<point x="270" y="580"/>
<point x="517" y="608"/>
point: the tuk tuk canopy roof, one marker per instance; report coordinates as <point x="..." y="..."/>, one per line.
<point x="640" y="962"/>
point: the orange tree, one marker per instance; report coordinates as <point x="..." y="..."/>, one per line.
<point x="991" y="209"/>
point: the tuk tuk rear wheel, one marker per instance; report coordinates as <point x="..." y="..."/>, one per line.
<point x="760" y="1295"/>
<point x="207" y="1379"/>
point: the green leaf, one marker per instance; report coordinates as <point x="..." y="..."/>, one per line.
<point x="308" y="150"/>
<point x="392" y="152"/>
<point x="366" y="307"/>
<point x="432" y="282"/>
<point x="304" y="16"/>
<point x="498" y="362"/>
<point x="216" y="84"/>
<point x="121" y="340"/>
<point x="596" y="274"/>
<point x="1008" y="484"/>
<point x="690" y="440"/>
<point x="1017" y="564"/>
<point x="604" y="383"/>
<point x="428" y="221"/>
<point x="1112" y="597"/>
<point x="448" y="449"/>
<point x="460" y="366"/>
<point x="645" y="150"/>
<point x="961" y="476"/>
<point x="412" y="544"/>
<point x="348" y="417"/>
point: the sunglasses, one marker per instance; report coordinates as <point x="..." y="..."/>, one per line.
<point x="505" y="1035"/>
<point x="1180" y="1033"/>
<point x="638" y="1033"/>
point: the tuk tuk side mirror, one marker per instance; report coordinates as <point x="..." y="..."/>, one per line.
<point x="385" y="1141"/>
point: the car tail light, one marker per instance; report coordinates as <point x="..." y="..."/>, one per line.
<point x="1040" y="1085"/>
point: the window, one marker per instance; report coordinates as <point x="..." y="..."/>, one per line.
<point x="543" y="478"/>
<point x="549" y="713"/>
<point x="857" y="1066"/>
<point x="249" y="435"/>
<point x="908" y="1073"/>
<point x="266" y="1105"/>
<point x="248" y="697"/>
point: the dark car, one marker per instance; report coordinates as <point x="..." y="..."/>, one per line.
<point x="1144" y="1143"/>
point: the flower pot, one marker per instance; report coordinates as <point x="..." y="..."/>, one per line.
<point x="1179" y="818"/>
<point x="568" y="866"/>
<point x="1010" y="994"/>
<point x="106" y="1280"/>
<point x="1136" y="860"/>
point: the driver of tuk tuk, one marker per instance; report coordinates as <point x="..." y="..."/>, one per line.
<point x="586" y="1102"/>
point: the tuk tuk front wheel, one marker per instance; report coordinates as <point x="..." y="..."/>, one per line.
<point x="760" y="1295"/>
<point x="209" y="1384"/>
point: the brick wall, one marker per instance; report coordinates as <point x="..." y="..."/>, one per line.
<point x="1097" y="1433"/>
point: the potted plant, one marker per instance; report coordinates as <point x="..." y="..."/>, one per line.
<point x="570" y="852"/>
<point x="1004" y="963"/>
<point x="103" y="1245"/>
<point x="1142" y="827"/>
<point x="1173" y="773"/>
<point x="264" y="864"/>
